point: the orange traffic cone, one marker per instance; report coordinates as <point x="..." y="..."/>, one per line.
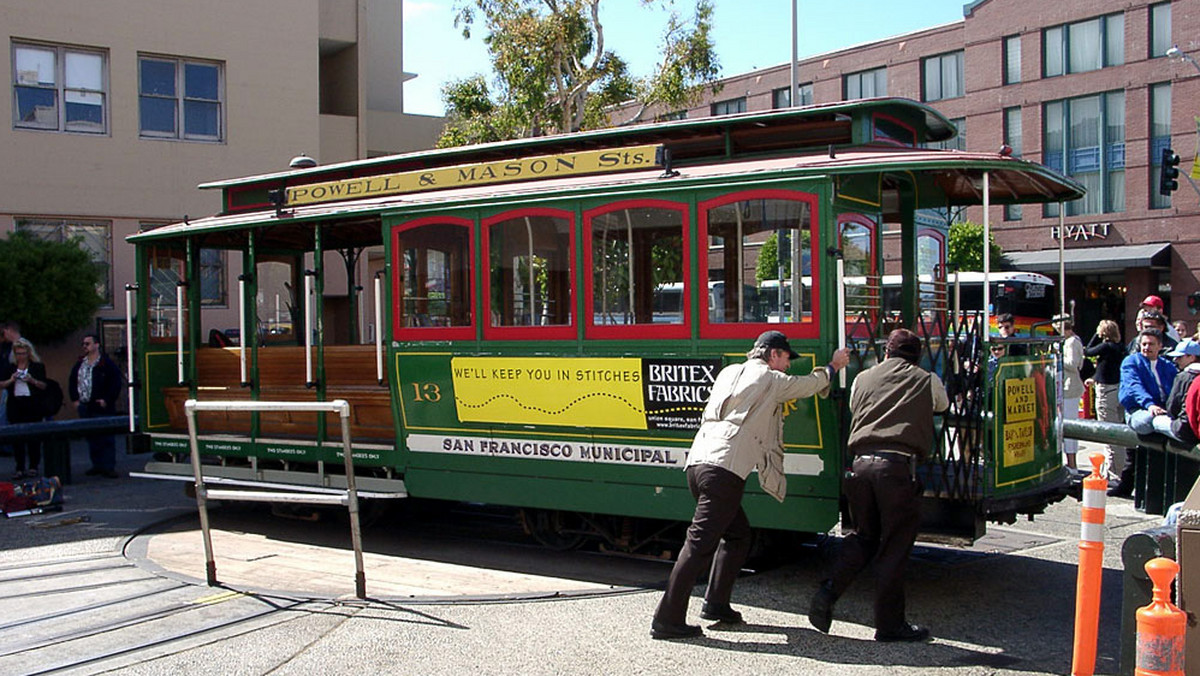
<point x="1160" y="625"/>
<point x="1091" y="570"/>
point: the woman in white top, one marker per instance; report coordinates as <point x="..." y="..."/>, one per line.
<point x="1072" y="350"/>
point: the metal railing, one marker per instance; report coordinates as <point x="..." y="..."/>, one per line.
<point x="349" y="498"/>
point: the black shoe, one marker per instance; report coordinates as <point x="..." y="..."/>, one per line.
<point x="820" y="609"/>
<point x="93" y="472"/>
<point x="724" y="614"/>
<point x="662" y="630"/>
<point x="910" y="633"/>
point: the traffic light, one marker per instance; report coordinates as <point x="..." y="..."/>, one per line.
<point x="1168" y="173"/>
<point x="1193" y="302"/>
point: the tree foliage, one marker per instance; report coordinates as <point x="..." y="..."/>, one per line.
<point x="554" y="74"/>
<point x="49" y="287"/>
<point x="964" y="247"/>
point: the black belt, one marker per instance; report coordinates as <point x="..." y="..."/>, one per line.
<point x="888" y="455"/>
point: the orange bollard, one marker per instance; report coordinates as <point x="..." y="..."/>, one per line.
<point x="1160" y="625"/>
<point x="1091" y="570"/>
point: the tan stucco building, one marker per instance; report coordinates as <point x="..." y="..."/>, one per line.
<point x="119" y="109"/>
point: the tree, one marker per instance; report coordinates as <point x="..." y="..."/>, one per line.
<point x="965" y="247"/>
<point x="553" y="73"/>
<point x="49" y="287"/>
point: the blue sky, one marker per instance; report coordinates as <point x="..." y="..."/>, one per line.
<point x="749" y="34"/>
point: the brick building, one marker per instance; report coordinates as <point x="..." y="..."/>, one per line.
<point x="1083" y="86"/>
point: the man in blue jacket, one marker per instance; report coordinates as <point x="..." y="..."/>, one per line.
<point x="1145" y="382"/>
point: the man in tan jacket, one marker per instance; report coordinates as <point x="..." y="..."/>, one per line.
<point x="742" y="428"/>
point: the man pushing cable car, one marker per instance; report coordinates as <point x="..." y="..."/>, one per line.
<point x="741" y="428"/>
<point x="891" y="431"/>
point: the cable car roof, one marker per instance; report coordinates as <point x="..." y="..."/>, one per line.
<point x="941" y="178"/>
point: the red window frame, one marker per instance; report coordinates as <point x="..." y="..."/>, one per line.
<point x="801" y="329"/>
<point x="562" y="332"/>
<point x="645" y="331"/>
<point x="872" y="230"/>
<point x="432" y="332"/>
<point x="939" y="269"/>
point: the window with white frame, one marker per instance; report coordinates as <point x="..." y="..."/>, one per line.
<point x="1084" y="138"/>
<point x="943" y="77"/>
<point x="1012" y="59"/>
<point x="1160" y="138"/>
<point x="737" y="105"/>
<point x="1012" y="139"/>
<point x="180" y="98"/>
<point x="782" y="97"/>
<point x="94" y="237"/>
<point x="59" y="88"/>
<point x="1083" y="46"/>
<point x="1160" y="29"/>
<point x="865" y="84"/>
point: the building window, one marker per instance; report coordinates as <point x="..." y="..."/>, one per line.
<point x="94" y="237"/>
<point x="1160" y="29"/>
<point x="1012" y="59"/>
<point x="669" y="117"/>
<point x="782" y="97"/>
<point x="1085" y="139"/>
<point x="180" y="98"/>
<point x="1160" y="137"/>
<point x="944" y="77"/>
<point x="45" y="75"/>
<point x="865" y="84"/>
<point x="737" y="105"/>
<point x="212" y="277"/>
<point x="1084" y="46"/>
<point x="1012" y="138"/>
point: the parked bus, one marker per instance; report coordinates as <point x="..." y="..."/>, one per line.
<point x="1028" y="296"/>
<point x="553" y="312"/>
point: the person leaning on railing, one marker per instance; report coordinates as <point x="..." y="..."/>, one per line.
<point x="1175" y="423"/>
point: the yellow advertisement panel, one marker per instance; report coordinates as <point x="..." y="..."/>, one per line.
<point x="483" y="173"/>
<point x="550" y="391"/>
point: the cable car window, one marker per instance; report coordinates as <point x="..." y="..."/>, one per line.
<point x="638" y="266"/>
<point x="433" y="287"/>
<point x="530" y="270"/>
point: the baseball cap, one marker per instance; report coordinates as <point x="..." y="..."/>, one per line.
<point x="775" y="340"/>
<point x="1153" y="300"/>
<point x="1187" y="346"/>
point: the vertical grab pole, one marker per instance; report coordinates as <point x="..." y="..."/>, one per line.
<point x="360" y="576"/>
<point x="242" y="328"/>
<point x="1062" y="270"/>
<point x="1091" y="570"/>
<point x="210" y="565"/>
<point x="308" y="328"/>
<point x="129" y="300"/>
<point x="179" y="286"/>
<point x="987" y="254"/>
<point x="841" y="310"/>
<point x="379" y="328"/>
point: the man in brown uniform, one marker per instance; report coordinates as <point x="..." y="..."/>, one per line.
<point x="891" y="432"/>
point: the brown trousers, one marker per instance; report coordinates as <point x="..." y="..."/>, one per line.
<point x="719" y="526"/>
<point x="882" y="496"/>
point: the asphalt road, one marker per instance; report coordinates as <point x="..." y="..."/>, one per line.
<point x="112" y="585"/>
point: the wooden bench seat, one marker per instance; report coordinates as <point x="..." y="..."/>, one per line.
<point x="350" y="375"/>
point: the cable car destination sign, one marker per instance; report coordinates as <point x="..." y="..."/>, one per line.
<point x="482" y="173"/>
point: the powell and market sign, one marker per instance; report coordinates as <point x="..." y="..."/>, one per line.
<point x="483" y="173"/>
